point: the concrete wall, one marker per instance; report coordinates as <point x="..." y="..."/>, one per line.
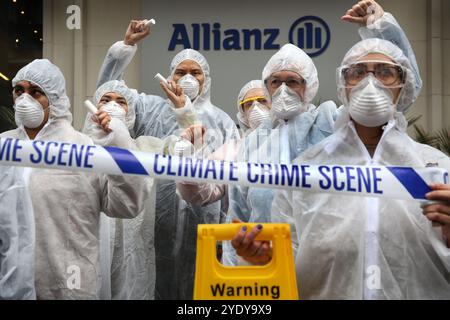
<point x="79" y="53"/>
<point x="446" y="62"/>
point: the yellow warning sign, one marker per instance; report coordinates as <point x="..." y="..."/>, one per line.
<point x="275" y="280"/>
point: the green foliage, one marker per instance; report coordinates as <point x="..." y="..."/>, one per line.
<point x="424" y="137"/>
<point x="443" y="141"/>
<point x="439" y="140"/>
<point x="413" y="120"/>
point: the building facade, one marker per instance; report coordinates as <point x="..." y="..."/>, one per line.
<point x="80" y="52"/>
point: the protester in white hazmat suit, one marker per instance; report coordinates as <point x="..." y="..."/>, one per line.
<point x="253" y="106"/>
<point x="349" y="247"/>
<point x="66" y="204"/>
<point x="132" y="264"/>
<point x="253" y="109"/>
<point x="308" y="128"/>
<point x="176" y="220"/>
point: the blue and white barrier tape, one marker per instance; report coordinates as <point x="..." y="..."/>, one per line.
<point x="374" y="181"/>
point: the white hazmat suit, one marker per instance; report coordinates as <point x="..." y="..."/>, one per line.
<point x="367" y="248"/>
<point x="176" y="220"/>
<point x="128" y="246"/>
<point x="67" y="204"/>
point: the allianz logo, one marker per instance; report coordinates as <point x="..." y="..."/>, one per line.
<point x="311" y="33"/>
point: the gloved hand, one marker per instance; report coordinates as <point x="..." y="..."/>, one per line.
<point x="136" y="31"/>
<point x="364" y="13"/>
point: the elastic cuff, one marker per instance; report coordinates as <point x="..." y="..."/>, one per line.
<point x="119" y="49"/>
<point x="180" y="111"/>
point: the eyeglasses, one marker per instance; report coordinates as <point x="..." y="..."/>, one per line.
<point x="293" y="83"/>
<point x="246" y="104"/>
<point x="389" y="74"/>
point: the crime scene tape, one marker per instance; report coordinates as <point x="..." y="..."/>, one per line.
<point x="373" y="181"/>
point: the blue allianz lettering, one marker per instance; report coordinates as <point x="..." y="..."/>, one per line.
<point x="211" y="37"/>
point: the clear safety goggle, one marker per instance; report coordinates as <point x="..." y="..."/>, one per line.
<point x="247" y="103"/>
<point x="390" y="74"/>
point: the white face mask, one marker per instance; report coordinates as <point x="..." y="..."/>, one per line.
<point x="371" y="103"/>
<point x="257" y="114"/>
<point x="29" y="111"/>
<point x="190" y="85"/>
<point x="286" y="103"/>
<point x="115" y="110"/>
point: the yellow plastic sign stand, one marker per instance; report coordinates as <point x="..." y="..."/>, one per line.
<point x="275" y="280"/>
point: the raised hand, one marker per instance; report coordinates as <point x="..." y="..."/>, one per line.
<point x="174" y="93"/>
<point x="136" y="31"/>
<point x="364" y="13"/>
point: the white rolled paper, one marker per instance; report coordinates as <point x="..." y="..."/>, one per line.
<point x="90" y="106"/>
